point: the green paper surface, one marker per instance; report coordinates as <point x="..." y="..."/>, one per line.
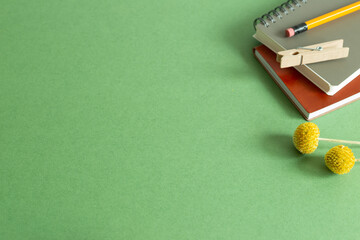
<point x="153" y="120"/>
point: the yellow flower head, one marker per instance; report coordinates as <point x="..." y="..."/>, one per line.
<point x="306" y="137"/>
<point x="340" y="159"/>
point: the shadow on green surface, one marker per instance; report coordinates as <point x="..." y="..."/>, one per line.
<point x="314" y="165"/>
<point x="281" y="146"/>
<point x="239" y="38"/>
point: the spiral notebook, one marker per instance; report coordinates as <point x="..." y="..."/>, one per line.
<point x="329" y="76"/>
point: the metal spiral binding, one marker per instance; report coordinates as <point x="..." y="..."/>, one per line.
<point x="278" y="12"/>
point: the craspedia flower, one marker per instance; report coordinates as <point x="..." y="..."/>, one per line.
<point x="340" y="159"/>
<point x="306" y="137"/>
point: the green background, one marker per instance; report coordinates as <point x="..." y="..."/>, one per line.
<point x="153" y="120"/>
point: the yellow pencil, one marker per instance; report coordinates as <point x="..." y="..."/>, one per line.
<point x="302" y="27"/>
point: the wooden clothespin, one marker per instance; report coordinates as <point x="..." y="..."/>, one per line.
<point x="314" y="53"/>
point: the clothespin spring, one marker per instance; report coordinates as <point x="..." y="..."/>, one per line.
<point x="312" y="49"/>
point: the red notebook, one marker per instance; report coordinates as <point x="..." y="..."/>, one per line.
<point x="307" y="98"/>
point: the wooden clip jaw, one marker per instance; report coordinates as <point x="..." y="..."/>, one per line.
<point x="330" y="51"/>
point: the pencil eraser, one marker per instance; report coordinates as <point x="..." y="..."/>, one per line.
<point x="289" y="32"/>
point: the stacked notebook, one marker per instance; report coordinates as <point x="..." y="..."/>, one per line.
<point x="317" y="88"/>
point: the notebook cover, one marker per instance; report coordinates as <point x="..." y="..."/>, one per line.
<point x="347" y="28"/>
<point x="310" y="97"/>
